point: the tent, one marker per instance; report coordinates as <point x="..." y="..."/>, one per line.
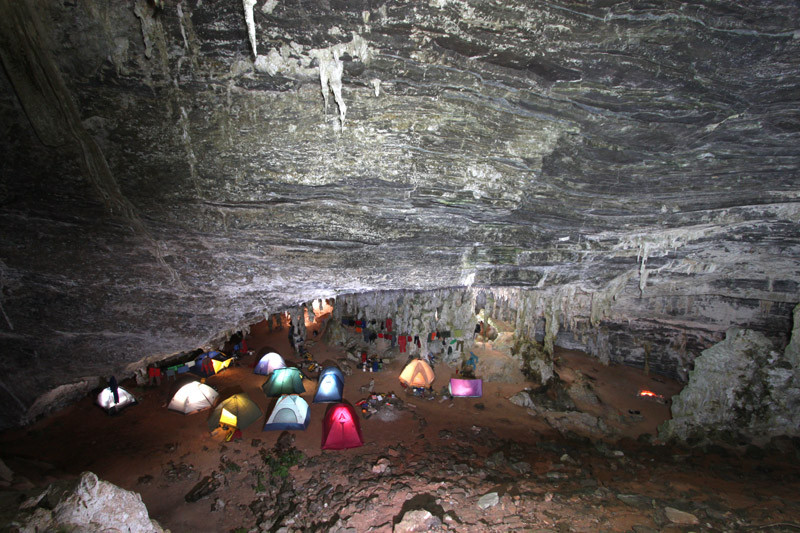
<point x="466" y="388"/>
<point x="191" y="397"/>
<point x="106" y="399"/>
<point x="417" y="373"/>
<point x="287" y="380"/>
<point x="238" y="411"/>
<point x="340" y="428"/>
<point x="217" y="361"/>
<point x="268" y="363"/>
<point x="291" y="412"/>
<point x="330" y="385"/>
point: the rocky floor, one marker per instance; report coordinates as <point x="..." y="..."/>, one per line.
<point x="472" y="480"/>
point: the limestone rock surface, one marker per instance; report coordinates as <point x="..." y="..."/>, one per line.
<point x="740" y="386"/>
<point x="86" y="505"/>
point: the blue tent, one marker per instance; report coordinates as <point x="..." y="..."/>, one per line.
<point x="210" y="363"/>
<point x="330" y="386"/>
<point x="284" y="381"/>
<point x="290" y="412"/>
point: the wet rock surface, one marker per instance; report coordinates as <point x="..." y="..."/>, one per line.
<point x="171" y="174"/>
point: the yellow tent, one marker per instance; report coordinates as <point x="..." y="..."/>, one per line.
<point x="220" y="365"/>
<point x="417" y="373"/>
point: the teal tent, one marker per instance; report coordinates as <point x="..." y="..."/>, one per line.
<point x="284" y="381"/>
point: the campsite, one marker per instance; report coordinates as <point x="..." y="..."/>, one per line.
<point x="312" y="455"/>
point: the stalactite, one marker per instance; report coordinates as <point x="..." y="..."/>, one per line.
<point x="251" y="24"/>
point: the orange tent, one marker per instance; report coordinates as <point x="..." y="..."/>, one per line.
<point x="417" y="373"/>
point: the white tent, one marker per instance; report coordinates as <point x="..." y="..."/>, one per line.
<point x="291" y="412"/>
<point x="106" y="399"/>
<point x="192" y="397"/>
<point x="268" y="363"/>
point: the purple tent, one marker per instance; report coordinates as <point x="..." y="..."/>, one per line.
<point x="466" y="388"/>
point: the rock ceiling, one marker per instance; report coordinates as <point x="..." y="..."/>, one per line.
<point x="170" y="173"/>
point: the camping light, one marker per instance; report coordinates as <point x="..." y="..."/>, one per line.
<point x="227" y="418"/>
<point x="328" y="386"/>
<point x="650" y="395"/>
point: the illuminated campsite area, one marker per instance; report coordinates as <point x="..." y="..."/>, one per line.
<point x="409" y="447"/>
<point x="448" y="265"/>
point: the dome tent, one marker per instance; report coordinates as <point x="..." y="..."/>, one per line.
<point x="290" y="412"/>
<point x="210" y="363"/>
<point x="284" y="381"/>
<point x="417" y="373"/>
<point x="238" y="411"/>
<point x="330" y="386"/>
<point x="267" y="364"/>
<point x="192" y="397"/>
<point x="340" y="428"/>
<point x="106" y="400"/>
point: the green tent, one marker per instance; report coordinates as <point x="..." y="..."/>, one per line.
<point x="284" y="381"/>
<point x="238" y="411"/>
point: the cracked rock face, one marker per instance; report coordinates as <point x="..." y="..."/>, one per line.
<point x="171" y="173"/>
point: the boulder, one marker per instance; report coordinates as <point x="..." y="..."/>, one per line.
<point x="87" y="504"/>
<point x="488" y="500"/>
<point x="523" y="399"/>
<point x="680" y="518"/>
<point x="501" y="368"/>
<point x="738" y="385"/>
<point x="416" y="521"/>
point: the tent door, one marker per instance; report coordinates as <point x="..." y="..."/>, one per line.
<point x="285" y="416"/>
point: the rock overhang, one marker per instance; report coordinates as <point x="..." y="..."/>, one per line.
<point x="600" y="150"/>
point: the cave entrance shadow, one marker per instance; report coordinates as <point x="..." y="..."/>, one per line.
<point x="425" y="502"/>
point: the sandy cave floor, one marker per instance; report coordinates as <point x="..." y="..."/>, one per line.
<point x="442" y="454"/>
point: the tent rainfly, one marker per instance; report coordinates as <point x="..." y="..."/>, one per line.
<point x="106" y="400"/>
<point x="340" y="428"/>
<point x="466" y="388"/>
<point x="284" y="381"/>
<point x="238" y="411"/>
<point x="330" y="386"/>
<point x="270" y="362"/>
<point x="417" y="373"/>
<point x="291" y="412"/>
<point x="192" y="397"/>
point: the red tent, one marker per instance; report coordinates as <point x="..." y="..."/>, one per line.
<point x="340" y="428"/>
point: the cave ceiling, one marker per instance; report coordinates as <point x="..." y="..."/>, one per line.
<point x="169" y="174"/>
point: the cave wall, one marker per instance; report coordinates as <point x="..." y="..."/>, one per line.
<point x="630" y="169"/>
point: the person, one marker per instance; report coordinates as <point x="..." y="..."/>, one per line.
<point x="478" y="329"/>
<point x="112" y="384"/>
<point x="155" y="375"/>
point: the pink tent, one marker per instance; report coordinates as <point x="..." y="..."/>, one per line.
<point x="466" y="388"/>
<point x="340" y="428"/>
